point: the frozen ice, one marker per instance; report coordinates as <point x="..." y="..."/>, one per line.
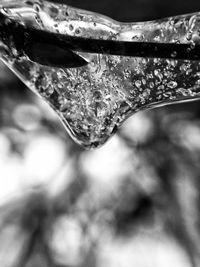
<point x="94" y="97"/>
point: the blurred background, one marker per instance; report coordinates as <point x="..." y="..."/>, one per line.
<point x="132" y="203"/>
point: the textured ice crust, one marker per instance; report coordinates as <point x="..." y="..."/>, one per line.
<point x="94" y="100"/>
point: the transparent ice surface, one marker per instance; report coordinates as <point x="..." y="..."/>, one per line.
<point x="93" y="100"/>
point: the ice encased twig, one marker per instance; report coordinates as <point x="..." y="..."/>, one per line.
<point x="94" y="100"/>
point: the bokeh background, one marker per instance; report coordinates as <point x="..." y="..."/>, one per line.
<point x="132" y="203"/>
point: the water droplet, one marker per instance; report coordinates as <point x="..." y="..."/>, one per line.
<point x="158" y="74"/>
<point x="135" y="38"/>
<point x="54" y="12"/>
<point x="189" y="36"/>
<point x="177" y="41"/>
<point x="144" y="81"/>
<point x="198" y="82"/>
<point x="7" y="21"/>
<point x="192" y="45"/>
<point x="77" y="31"/>
<point x="71" y="27"/>
<point x="172" y="84"/>
<point x="151" y="85"/>
<point x="138" y="84"/>
<point x="146" y="93"/>
<point x="161" y="87"/>
<point x="196" y="38"/>
<point x="174" y="54"/>
<point x="36" y="7"/>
